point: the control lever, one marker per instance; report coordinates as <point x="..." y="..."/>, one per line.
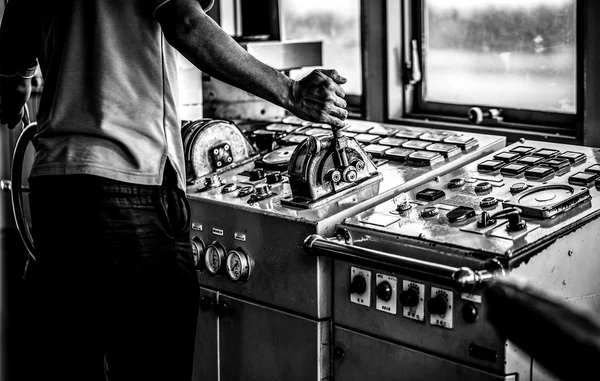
<point x="349" y="172"/>
<point x="513" y="215"/>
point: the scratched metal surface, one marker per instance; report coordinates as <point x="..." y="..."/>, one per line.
<point x="396" y="178"/>
<point x="384" y="219"/>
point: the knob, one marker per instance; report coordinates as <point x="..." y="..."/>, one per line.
<point x="483" y="187"/>
<point x="256" y="174"/>
<point x="273" y="178"/>
<point x="223" y="309"/>
<point x="476" y="115"/>
<point x="206" y="303"/>
<point x="517" y="188"/>
<point x="469" y="313"/>
<point x="437" y="305"/>
<point x="263" y="190"/>
<point x="456" y="183"/>
<point x="358" y="285"/>
<point x="384" y="291"/>
<point x="232" y="187"/>
<point x="409" y="297"/>
<point x="488" y="202"/>
<point x="429" y="211"/>
<point x="349" y="174"/>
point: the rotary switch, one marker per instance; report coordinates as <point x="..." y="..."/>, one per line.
<point x="256" y="174"/>
<point x="409" y="297"/>
<point x="483" y="187"/>
<point x="437" y="305"/>
<point x="384" y="291"/>
<point x="456" y="183"/>
<point x="358" y="285"/>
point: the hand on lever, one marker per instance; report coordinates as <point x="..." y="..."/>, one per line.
<point x="318" y="97"/>
<point x="564" y="340"/>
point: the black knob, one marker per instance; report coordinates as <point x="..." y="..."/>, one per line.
<point x="206" y="303"/>
<point x="256" y="174"/>
<point x="469" y="313"/>
<point x="358" y="285"/>
<point x="409" y="297"/>
<point x="273" y="178"/>
<point x="384" y="291"/>
<point x="338" y="353"/>
<point x="223" y="309"/>
<point x="437" y="305"/>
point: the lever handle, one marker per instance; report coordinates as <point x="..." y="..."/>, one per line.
<point x="513" y="215"/>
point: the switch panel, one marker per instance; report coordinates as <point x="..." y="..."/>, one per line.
<point x="360" y="286"/>
<point x="412" y="299"/>
<point x="440" y="307"/>
<point x="385" y="292"/>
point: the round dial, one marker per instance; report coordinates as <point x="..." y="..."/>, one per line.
<point x="238" y="265"/>
<point x="214" y="258"/>
<point x="198" y="251"/>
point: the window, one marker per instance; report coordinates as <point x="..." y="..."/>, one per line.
<point x="337" y="24"/>
<point x="519" y="57"/>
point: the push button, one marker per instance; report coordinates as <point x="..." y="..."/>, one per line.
<point x="539" y="172"/>
<point x="460" y="214"/>
<point x="446" y="150"/>
<point x="489" y="202"/>
<point x="513" y="169"/>
<point x="429" y="212"/>
<point x="424" y="158"/>
<point x="507" y="157"/>
<point x="483" y="187"/>
<point x="398" y="154"/>
<point x="556" y="164"/>
<point x="573" y="157"/>
<point x="584" y="179"/>
<point x="523" y="150"/>
<point x="593" y="169"/>
<point x="407" y="134"/>
<point x="392" y="142"/>
<point x="530" y="160"/>
<point x="456" y="183"/>
<point x="430" y="194"/>
<point x="416" y="144"/>
<point x="490" y="165"/>
<point x="518" y="188"/>
<point x="464" y="142"/>
<point x="546" y="153"/>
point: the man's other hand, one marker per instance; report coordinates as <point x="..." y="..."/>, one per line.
<point x="14" y="93"/>
<point x="318" y="97"/>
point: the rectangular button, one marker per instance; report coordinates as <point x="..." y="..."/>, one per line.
<point x="398" y="154"/>
<point x="432" y="137"/>
<point x="513" y="169"/>
<point x="430" y="194"/>
<point x="446" y="150"/>
<point x="464" y="142"/>
<point x="538" y="172"/>
<point x="530" y="160"/>
<point x="358" y="129"/>
<point x="281" y="127"/>
<point x="556" y="163"/>
<point x="424" y="158"/>
<point x="593" y="169"/>
<point x="382" y="131"/>
<point x="584" y="179"/>
<point x="490" y="166"/>
<point x="366" y="138"/>
<point x="392" y="142"/>
<point x="376" y="150"/>
<point x="416" y="144"/>
<point x="573" y="157"/>
<point x="546" y="153"/>
<point x="523" y="150"/>
<point x="408" y="134"/>
<point x="507" y="157"/>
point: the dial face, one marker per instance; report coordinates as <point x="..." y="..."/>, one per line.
<point x="213" y="260"/>
<point x="234" y="266"/>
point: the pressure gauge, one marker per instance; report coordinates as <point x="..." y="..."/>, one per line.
<point x="238" y="265"/>
<point x="198" y="251"/>
<point x="214" y="258"/>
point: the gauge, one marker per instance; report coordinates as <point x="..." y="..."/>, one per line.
<point x="214" y="258"/>
<point x="238" y="265"/>
<point x="198" y="251"/>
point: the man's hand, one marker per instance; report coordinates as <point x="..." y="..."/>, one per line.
<point x="319" y="97"/>
<point x="14" y="93"/>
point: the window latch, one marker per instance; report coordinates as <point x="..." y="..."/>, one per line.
<point x="414" y="65"/>
<point x="477" y="115"/>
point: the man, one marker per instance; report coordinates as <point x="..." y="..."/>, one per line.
<point x="114" y="274"/>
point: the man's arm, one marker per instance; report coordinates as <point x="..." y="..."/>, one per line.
<point x="17" y="61"/>
<point x="317" y="97"/>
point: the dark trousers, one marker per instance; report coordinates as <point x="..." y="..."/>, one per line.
<point x="114" y="282"/>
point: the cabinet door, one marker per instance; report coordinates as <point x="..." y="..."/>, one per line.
<point x="260" y="343"/>
<point x="206" y="365"/>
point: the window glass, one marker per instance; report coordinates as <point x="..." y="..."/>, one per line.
<point x="337" y="24"/>
<point x="504" y="53"/>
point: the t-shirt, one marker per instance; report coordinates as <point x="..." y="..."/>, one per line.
<point x="108" y="107"/>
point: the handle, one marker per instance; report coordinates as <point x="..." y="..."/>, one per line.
<point x="16" y="177"/>
<point x="463" y="278"/>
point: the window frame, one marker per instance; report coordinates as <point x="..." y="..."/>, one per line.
<point x="406" y="104"/>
